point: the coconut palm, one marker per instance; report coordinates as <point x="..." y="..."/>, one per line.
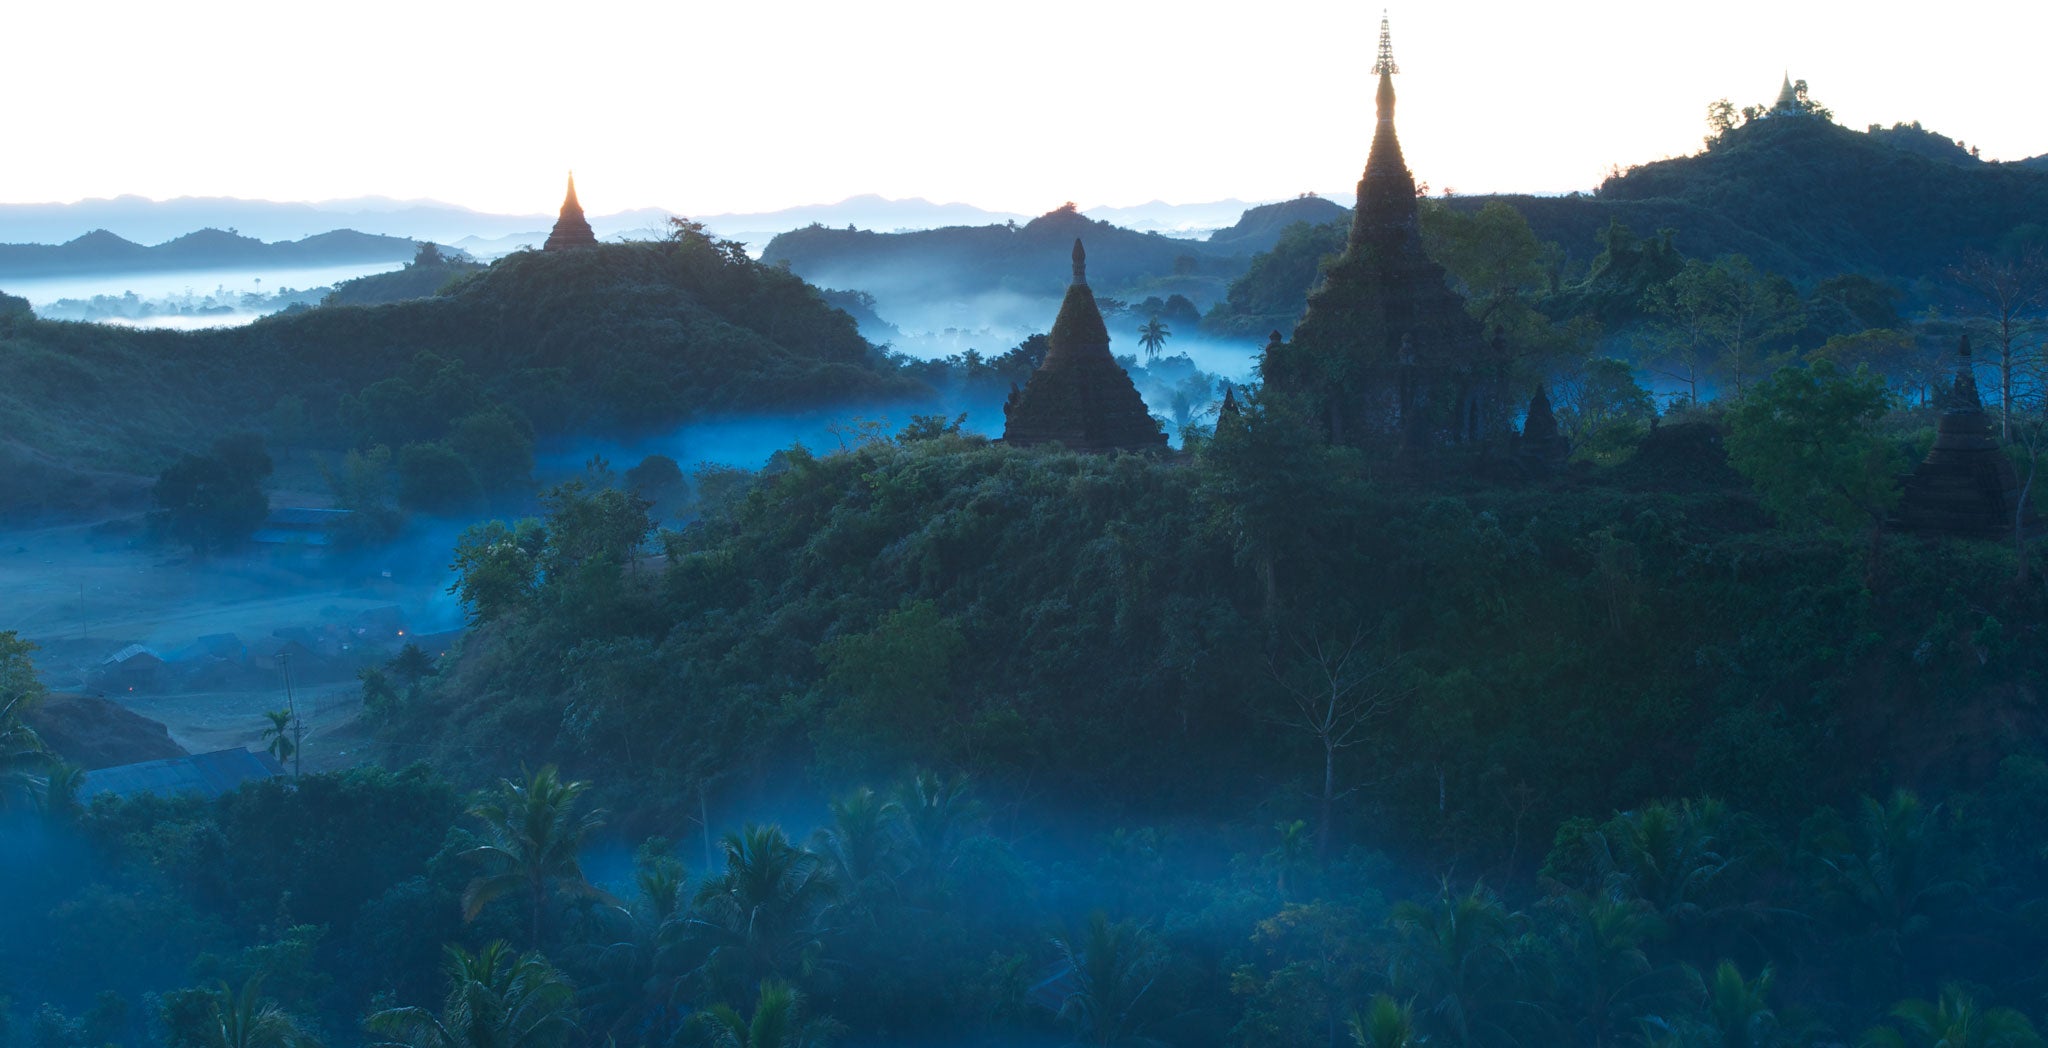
<point x="25" y="763"/>
<point x="934" y="813"/>
<point x="1890" y="869"/>
<point x="1954" y="1021"/>
<point x="531" y="838"/>
<point x="222" y="1018"/>
<point x="1455" y="958"/>
<point x="496" y="999"/>
<point x="1598" y="976"/>
<point x="1739" y="1008"/>
<point x="863" y="845"/>
<point x="765" y="916"/>
<point x="1153" y="337"/>
<point x="1114" y="966"/>
<point x="1386" y="1023"/>
<point x="778" y="1022"/>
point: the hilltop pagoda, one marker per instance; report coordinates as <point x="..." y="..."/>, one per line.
<point x="571" y="229"/>
<point x="1080" y="396"/>
<point x="1965" y="485"/>
<point x="1386" y="355"/>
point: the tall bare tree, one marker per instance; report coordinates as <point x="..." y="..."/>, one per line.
<point x="2010" y="297"/>
<point x="1334" y="692"/>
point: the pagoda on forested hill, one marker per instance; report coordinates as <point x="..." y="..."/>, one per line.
<point x="1080" y="396"/>
<point x="1386" y="355"/>
<point x="1965" y="485"/>
<point x="571" y="230"/>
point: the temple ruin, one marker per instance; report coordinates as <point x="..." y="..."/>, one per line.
<point x="1386" y="355"/>
<point x="1542" y="447"/>
<point x="1965" y="485"/>
<point x="571" y="229"/>
<point x="1080" y="397"/>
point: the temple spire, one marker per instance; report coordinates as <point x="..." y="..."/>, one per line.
<point x="1385" y="66"/>
<point x="571" y="228"/>
<point x="1080" y="264"/>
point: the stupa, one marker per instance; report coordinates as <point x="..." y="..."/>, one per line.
<point x="1080" y="396"/>
<point x="571" y="229"/>
<point x="1386" y="354"/>
<point x="1542" y="446"/>
<point x="1965" y="485"/>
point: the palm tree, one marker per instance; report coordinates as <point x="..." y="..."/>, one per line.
<point x="1153" y="337"/>
<point x="934" y="813"/>
<point x="1599" y="975"/>
<point x="282" y="745"/>
<point x="25" y="763"/>
<point x="863" y="845"/>
<point x="532" y="836"/>
<point x="1455" y="957"/>
<point x="1292" y="858"/>
<point x="1954" y="1021"/>
<point x="778" y="1022"/>
<point x="496" y="999"/>
<point x="1386" y="1023"/>
<point x="765" y="915"/>
<point x="1739" y="1008"/>
<point x="234" y="1020"/>
<point x="1890" y="870"/>
<point x="1114" y="966"/>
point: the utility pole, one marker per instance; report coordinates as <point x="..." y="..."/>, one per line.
<point x="284" y="660"/>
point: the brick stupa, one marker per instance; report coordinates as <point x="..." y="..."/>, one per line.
<point x="1386" y="355"/>
<point x="571" y="230"/>
<point x="1542" y="446"/>
<point x="1080" y="396"/>
<point x="1965" y="485"/>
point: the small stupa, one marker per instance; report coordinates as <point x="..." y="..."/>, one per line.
<point x="1228" y="409"/>
<point x="1080" y="396"/>
<point x="1965" y="485"/>
<point x="1542" y="445"/>
<point x="571" y="229"/>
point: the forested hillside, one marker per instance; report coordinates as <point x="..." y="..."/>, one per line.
<point x="613" y="340"/>
<point x="1801" y="198"/>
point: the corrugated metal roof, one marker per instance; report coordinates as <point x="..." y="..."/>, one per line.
<point x="129" y="652"/>
<point x="207" y="774"/>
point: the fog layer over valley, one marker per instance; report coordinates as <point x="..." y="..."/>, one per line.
<point x="1591" y="621"/>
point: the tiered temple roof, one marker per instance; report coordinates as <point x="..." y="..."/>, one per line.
<point x="1080" y="396"/>
<point x="1965" y="485"/>
<point x="1386" y="353"/>
<point x="571" y="229"/>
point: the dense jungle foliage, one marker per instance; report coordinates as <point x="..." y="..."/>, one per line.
<point x="1258" y="746"/>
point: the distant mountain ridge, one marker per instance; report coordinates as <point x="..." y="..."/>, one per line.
<point x="1033" y="258"/>
<point x="102" y="252"/>
<point x="486" y="234"/>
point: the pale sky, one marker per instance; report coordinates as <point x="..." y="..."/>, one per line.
<point x="705" y="108"/>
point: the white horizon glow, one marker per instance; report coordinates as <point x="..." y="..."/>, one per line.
<point x="706" y="108"/>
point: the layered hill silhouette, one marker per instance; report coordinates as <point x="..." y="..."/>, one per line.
<point x="611" y="339"/>
<point x="1031" y="258"/>
<point x="103" y="252"/>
